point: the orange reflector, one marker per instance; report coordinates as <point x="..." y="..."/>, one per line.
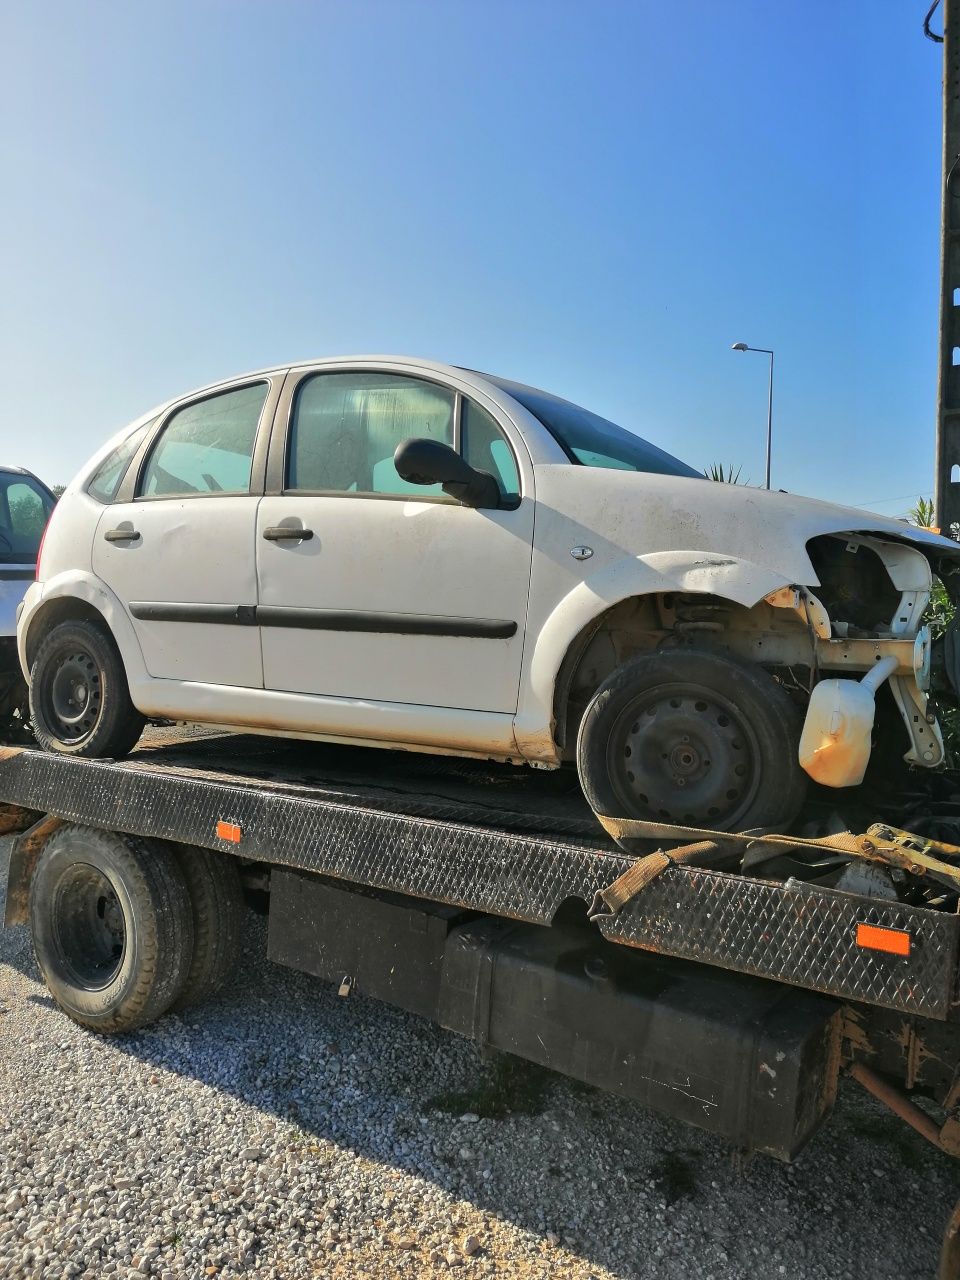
<point x="229" y="831"/>
<point x="877" y="938"/>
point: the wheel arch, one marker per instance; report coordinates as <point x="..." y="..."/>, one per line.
<point x="75" y="597"/>
<point x="571" y="627"/>
<point x="48" y="616"/>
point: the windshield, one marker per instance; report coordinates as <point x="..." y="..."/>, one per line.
<point x="25" y="507"/>
<point x="591" y="440"/>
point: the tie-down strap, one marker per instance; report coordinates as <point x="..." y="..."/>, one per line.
<point x="889" y="845"/>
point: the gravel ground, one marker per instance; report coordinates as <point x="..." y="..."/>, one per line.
<point x="284" y="1132"/>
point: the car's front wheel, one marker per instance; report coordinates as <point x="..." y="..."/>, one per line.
<point x="79" y="700"/>
<point x="694" y="739"/>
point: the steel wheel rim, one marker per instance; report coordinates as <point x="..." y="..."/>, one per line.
<point x="89" y="926"/>
<point x="72" y="694"/>
<point x="684" y="753"/>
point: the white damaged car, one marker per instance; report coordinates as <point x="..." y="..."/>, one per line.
<point x="399" y="553"/>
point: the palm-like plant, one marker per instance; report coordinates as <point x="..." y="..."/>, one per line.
<point x="725" y="474"/>
<point x="922" y="513"/>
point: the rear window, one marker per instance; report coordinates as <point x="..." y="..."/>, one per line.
<point x="25" y="508"/>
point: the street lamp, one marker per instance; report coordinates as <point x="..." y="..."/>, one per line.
<point x="742" y="346"/>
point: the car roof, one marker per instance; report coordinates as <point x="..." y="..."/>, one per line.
<point x="25" y="471"/>
<point x="414" y="362"/>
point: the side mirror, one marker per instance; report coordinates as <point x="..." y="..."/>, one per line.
<point x="433" y="462"/>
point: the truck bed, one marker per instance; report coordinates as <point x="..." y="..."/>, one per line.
<point x="492" y="839"/>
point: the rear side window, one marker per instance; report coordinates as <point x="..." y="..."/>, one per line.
<point x="206" y="447"/>
<point x="346" y="427"/>
<point x="107" y="477"/>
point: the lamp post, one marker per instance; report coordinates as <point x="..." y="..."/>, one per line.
<point x="742" y="346"/>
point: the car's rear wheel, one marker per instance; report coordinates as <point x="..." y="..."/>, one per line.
<point x="79" y="700"/>
<point x="112" y="927"/>
<point x="693" y="739"/>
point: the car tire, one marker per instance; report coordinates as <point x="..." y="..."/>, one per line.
<point x="79" y="698"/>
<point x="694" y="739"/>
<point x="112" y="927"/>
<point x="216" y="899"/>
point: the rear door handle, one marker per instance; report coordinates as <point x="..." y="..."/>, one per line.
<point x="121" y="535"/>
<point x="287" y="533"/>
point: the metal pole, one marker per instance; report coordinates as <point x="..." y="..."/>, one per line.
<point x="766" y="351"/>
<point x="769" y="419"/>
<point x="947" y="499"/>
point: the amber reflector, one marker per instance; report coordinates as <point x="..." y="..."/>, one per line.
<point x="228" y="831"/>
<point x="876" y="938"/>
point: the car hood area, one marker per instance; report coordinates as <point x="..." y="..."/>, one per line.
<point x="627" y="514"/>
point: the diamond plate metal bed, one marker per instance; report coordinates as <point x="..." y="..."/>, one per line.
<point x="489" y="839"/>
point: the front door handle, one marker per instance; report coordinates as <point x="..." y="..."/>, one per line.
<point x="121" y="535"/>
<point x="287" y="533"/>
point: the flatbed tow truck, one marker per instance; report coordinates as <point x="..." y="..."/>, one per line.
<point x="727" y="983"/>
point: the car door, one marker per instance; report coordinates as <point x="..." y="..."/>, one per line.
<point x="25" y="506"/>
<point x="177" y="544"/>
<point x="375" y="589"/>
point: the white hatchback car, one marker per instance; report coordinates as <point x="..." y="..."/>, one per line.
<point x="399" y="553"/>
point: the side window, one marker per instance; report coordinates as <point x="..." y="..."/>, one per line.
<point x="485" y="448"/>
<point x="23" y="517"/>
<point x="106" y="479"/>
<point x="207" y="446"/>
<point x="346" y="426"/>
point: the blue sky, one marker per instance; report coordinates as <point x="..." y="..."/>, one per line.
<point x="597" y="198"/>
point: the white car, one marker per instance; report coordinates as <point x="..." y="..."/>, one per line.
<point x="399" y="553"/>
<point x="25" y="506"/>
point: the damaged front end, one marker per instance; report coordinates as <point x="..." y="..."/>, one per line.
<point x="868" y="630"/>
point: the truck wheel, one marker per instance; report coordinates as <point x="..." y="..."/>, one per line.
<point x="692" y="738"/>
<point x="112" y="927"/>
<point x="79" y="700"/>
<point x="216" y="896"/>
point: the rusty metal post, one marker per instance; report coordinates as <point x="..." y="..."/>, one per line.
<point x="950" y="1251"/>
<point x="898" y="1104"/>
<point x="948" y="397"/>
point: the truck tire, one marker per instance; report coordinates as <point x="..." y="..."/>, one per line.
<point x="112" y="927"/>
<point x="692" y="738"/>
<point x="216" y="898"/>
<point x="79" y="699"/>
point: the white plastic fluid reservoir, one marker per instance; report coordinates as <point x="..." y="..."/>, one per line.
<point x="835" y="742"/>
